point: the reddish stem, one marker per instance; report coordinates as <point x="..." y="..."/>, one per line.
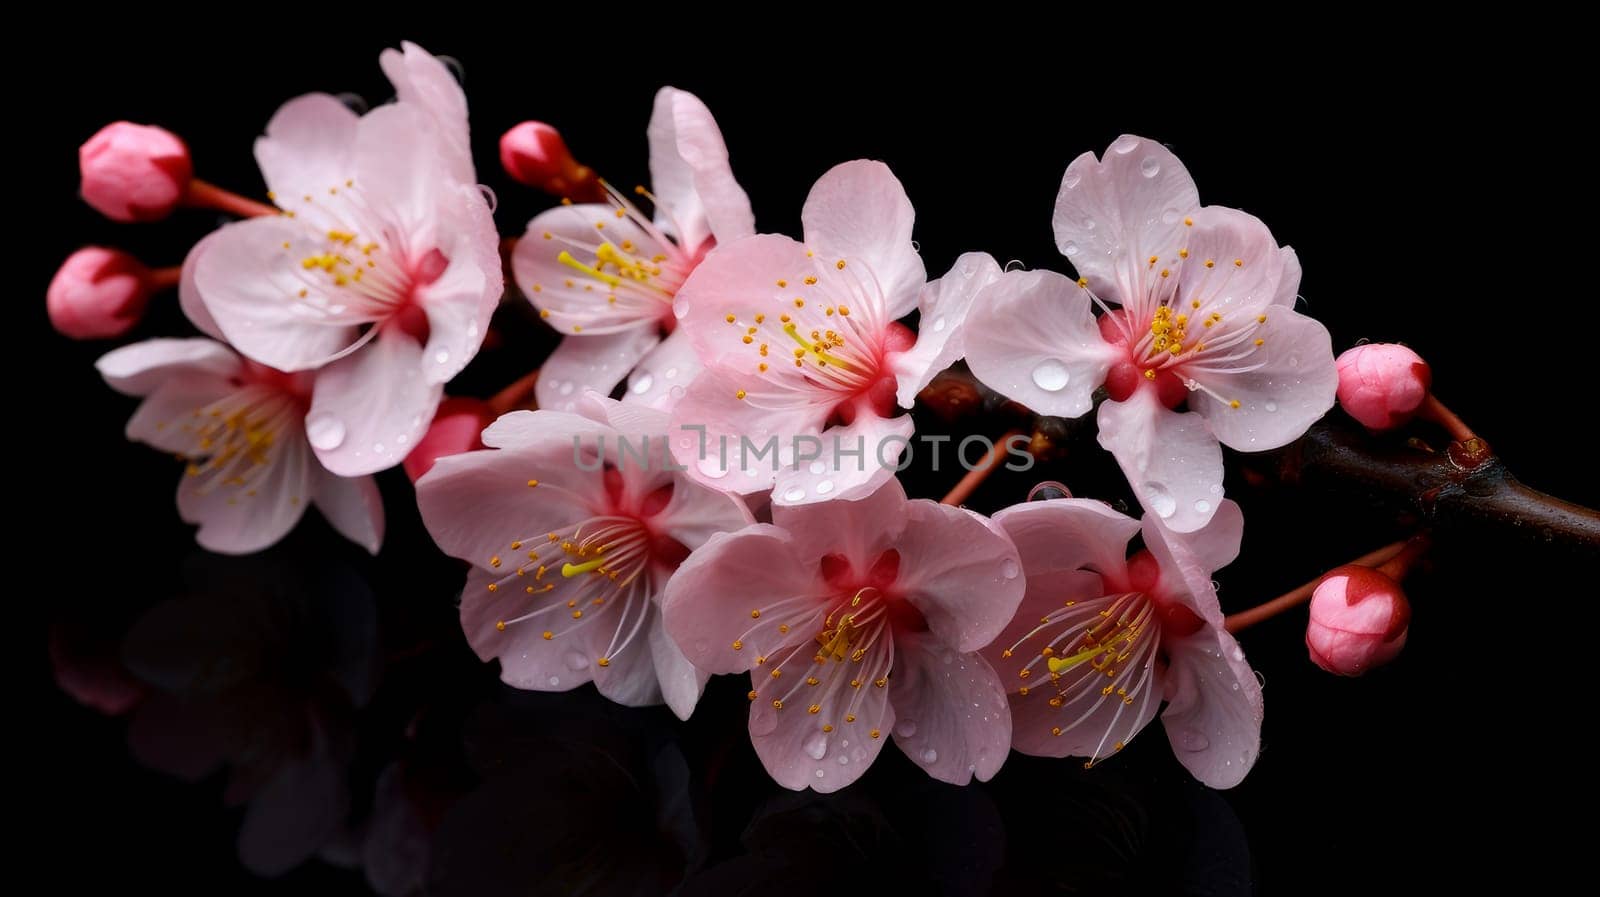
<point x="1434" y="410"/>
<point x="975" y="477"/>
<point x="164" y="278"/>
<point x="1299" y="596"/>
<point x="514" y="396"/>
<point x="210" y="196"/>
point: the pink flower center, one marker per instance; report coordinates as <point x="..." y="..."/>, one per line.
<point x="601" y="571"/>
<point x="632" y="267"/>
<point x="235" y="440"/>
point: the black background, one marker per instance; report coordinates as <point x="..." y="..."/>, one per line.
<point x="1409" y="188"/>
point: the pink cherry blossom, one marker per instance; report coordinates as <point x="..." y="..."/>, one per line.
<point x="605" y="274"/>
<point x="383" y="269"/>
<point x="1101" y="639"/>
<point x="802" y="347"/>
<point x="857" y="619"/>
<point x="1205" y="314"/>
<point x="568" y="563"/>
<point x="240" y="426"/>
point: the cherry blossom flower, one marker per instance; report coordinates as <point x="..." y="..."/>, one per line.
<point x="383" y="269"/>
<point x="1101" y="639"/>
<point x="240" y="426"/>
<point x="855" y="619"/>
<point x="1205" y="314"/>
<point x="572" y="538"/>
<point x="802" y="348"/>
<point x="605" y="274"/>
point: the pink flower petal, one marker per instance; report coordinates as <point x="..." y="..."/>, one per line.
<point x="1188" y="560"/>
<point x="140" y="369"/>
<point x="629" y="676"/>
<point x="1170" y="459"/>
<point x="749" y="587"/>
<point x="352" y="506"/>
<point x="1289" y="283"/>
<point x="713" y="427"/>
<point x="308" y="147"/>
<point x="695" y="513"/>
<point x="1037" y="343"/>
<point x="1090" y="724"/>
<point x="527" y="659"/>
<point x="1114" y="211"/>
<point x="1068" y="534"/>
<point x="163" y="420"/>
<point x="951" y="713"/>
<point x="859" y="210"/>
<point x="792" y="742"/>
<point x="460" y="303"/>
<point x="421" y="80"/>
<point x="963" y="576"/>
<point x="1214" y="709"/>
<point x="1249" y="268"/>
<point x="238" y="519"/>
<point x="1287" y="384"/>
<point x="855" y="460"/>
<point x="860" y="528"/>
<point x="251" y="286"/>
<point x="397" y="169"/>
<point x="583" y="362"/>
<point x="566" y="296"/>
<point x="690" y="175"/>
<point x="370" y="408"/>
<point x="944" y="304"/>
<point x="474" y="504"/>
<point x="681" y="682"/>
<point x="194" y="308"/>
<point x="663" y="375"/>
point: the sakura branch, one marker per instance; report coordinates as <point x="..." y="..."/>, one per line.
<point x="335" y="317"/>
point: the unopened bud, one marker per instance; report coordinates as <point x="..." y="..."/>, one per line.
<point x="1359" y="618"/>
<point x="134" y="172"/>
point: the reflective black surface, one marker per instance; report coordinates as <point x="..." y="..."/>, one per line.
<point x="310" y="720"/>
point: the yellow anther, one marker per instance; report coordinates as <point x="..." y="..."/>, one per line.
<point x="500" y="625"/>
<point x="1234" y="404"/>
<point x="739" y="395"/>
<point x="548" y="635"/>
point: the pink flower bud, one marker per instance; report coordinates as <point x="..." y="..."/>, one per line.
<point x="1358" y="620"/>
<point x="1382" y="384"/>
<point x="98" y="294"/>
<point x="134" y="172"/>
<point x="456" y="428"/>
<point x="533" y="153"/>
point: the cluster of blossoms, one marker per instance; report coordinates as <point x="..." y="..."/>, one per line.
<point x="709" y="483"/>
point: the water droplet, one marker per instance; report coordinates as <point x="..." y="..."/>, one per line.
<point x="1125" y="144"/>
<point x="1202" y="506"/>
<point x="670" y="373"/>
<point x="642" y="385"/>
<point x="1008" y="568"/>
<point x="442" y="356"/>
<point x="576" y="661"/>
<point x="938" y="324"/>
<point x="1294" y="361"/>
<point x="1051" y="375"/>
<point x="817" y="467"/>
<point x="1235" y="686"/>
<point x="794" y="494"/>
<point x="1270" y="406"/>
<point x="1089" y="224"/>
<point x="566" y="388"/>
<point x="915" y="246"/>
<point x="555" y="680"/>
<point x="1160" y="500"/>
<point x="820" y="773"/>
<point x="377" y="448"/>
<point x="844" y="760"/>
<point x="1071" y="180"/>
<point x="1170" y="216"/>
<point x="325" y="432"/>
<point x="1069" y="248"/>
<point x="824" y="487"/>
<point x="1216" y="488"/>
<point x="816" y="745"/>
<point x="1191" y="740"/>
<point x="680" y="307"/>
<point x="1238" y="654"/>
<point x="930" y="756"/>
<point x="676" y="392"/>
<point x="905" y="728"/>
<point x="401" y="439"/>
<point x="711" y="467"/>
<point x="1150" y="167"/>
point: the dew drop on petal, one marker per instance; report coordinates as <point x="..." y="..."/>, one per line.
<point x="1071" y="180"/>
<point x="1069" y="248"/>
<point x="1216" y="488"/>
<point x="1191" y="740"/>
<point x="939" y="324"/>
<point x="1150" y="167"/>
<point x="1270" y="406"/>
<point x="905" y="728"/>
<point x="820" y="773"/>
<point x="1051" y="375"/>
<point x="680" y="307"/>
<point x="1125" y="144"/>
<point x="1160" y="500"/>
<point x="1008" y="568"/>
<point x="576" y="661"/>
<point x="844" y="760"/>
<point x="930" y="756"/>
<point x="711" y="468"/>
<point x="377" y="448"/>
<point x="817" y="467"/>
<point x="676" y="392"/>
<point x="794" y="494"/>
<point x="1171" y="216"/>
<point x="554" y="681"/>
<point x="670" y="373"/>
<point x="325" y="432"/>
<point x="442" y="356"/>
<point x="566" y="388"/>
<point x="1202" y="506"/>
<point x="816" y="745"/>
<point x="824" y="487"/>
<point x="642" y="384"/>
